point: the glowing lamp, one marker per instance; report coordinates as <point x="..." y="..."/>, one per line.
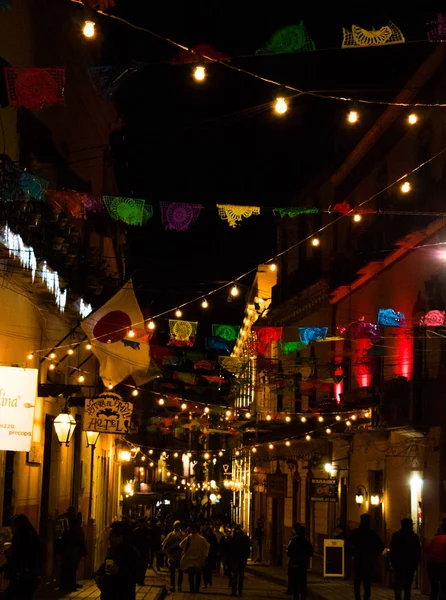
<point x="125" y="456"/>
<point x="151" y="325"/>
<point x="135" y="393"/>
<point x="271" y="446"/>
<point x="70" y="351"/>
<point x="412" y="119"/>
<point x="308" y="437"/>
<point x="88" y="346"/>
<point x="359" y="499"/>
<point x="228" y="413"/>
<point x="328" y="431"/>
<point x="52" y="367"/>
<point x="110" y="386"/>
<point x="268" y="417"/>
<point x="178" y="313"/>
<point x="131" y="333"/>
<point x="375" y="500"/>
<point x="205" y="304"/>
<point x="89" y="29"/>
<point x="248" y="415"/>
<point x="320" y="419"/>
<point x="64" y="425"/>
<point x="220" y="453"/>
<point x="273" y="267"/>
<point x="161" y="401"/>
<point x="315" y="242"/>
<point x="354" y="417"/>
<point x="199" y="73"/>
<point x="207" y="409"/>
<point x="338" y="417"/>
<point x="175" y="454"/>
<point x="328" y="467"/>
<point x="237" y="453"/>
<point x="30" y="356"/>
<point x="406" y="187"/>
<point x="234" y="291"/>
<point x="303" y="419"/>
<point x="206" y="456"/>
<point x="254" y="450"/>
<point x="357" y="218"/>
<point x="280" y="106"/>
<point x="53" y="355"/>
<point x="352" y="116"/>
<point x="288" y="443"/>
<point x="348" y="423"/>
<point x="81" y="379"/>
<point x="183" y="406"/>
<point x="287" y="418"/>
<point x="92" y="438"/>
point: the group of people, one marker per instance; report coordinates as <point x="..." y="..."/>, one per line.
<point x="196" y="551"/>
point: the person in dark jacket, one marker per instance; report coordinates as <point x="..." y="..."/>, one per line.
<point x="405" y="555"/>
<point x="142" y="541"/>
<point x="24" y="560"/>
<point x="366" y="546"/>
<point x="156" y="534"/>
<point x="119" y="573"/>
<point x="72" y="548"/>
<point x="238" y="551"/>
<point x="436" y="563"/>
<point x="299" y="552"/>
<point x="173" y="551"/>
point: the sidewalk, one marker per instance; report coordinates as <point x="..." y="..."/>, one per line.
<point x="154" y="589"/>
<point x="320" y="588"/>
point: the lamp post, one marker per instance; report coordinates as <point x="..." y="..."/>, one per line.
<point x="64" y="425"/>
<point x="92" y="438"/>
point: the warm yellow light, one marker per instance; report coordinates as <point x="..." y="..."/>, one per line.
<point x="220" y="453"/>
<point x="189" y="455"/>
<point x="359" y="499"/>
<point x="89" y="29"/>
<point x="160" y="470"/>
<point x="131" y="333"/>
<point x="367" y="414"/>
<point x="52" y="367"/>
<point x="254" y="450"/>
<point x="280" y="106"/>
<point x="321" y="419"/>
<point x="168" y="473"/>
<point x="237" y="452"/>
<point x="316" y="242"/>
<point x="303" y="419"/>
<point x="328" y="467"/>
<point x="328" y="431"/>
<point x="135" y="393"/>
<point x="287" y="418"/>
<point x="175" y="454"/>
<point x="374" y="500"/>
<point x="178" y="313"/>
<point x="205" y="304"/>
<point x="125" y="456"/>
<point x="199" y="73"/>
<point x="412" y="119"/>
<point x="228" y="413"/>
<point x="357" y="218"/>
<point x="288" y="443"/>
<point x="354" y="417"/>
<point x="206" y="456"/>
<point x="273" y="267"/>
<point x="70" y="351"/>
<point x="151" y="325"/>
<point x="53" y="355"/>
<point x="348" y="423"/>
<point x="110" y="386"/>
<point x="206" y="409"/>
<point x="268" y="417"/>
<point x="81" y="378"/>
<point x="352" y="116"/>
<point x="151" y="464"/>
<point x="308" y="437"/>
<point x="88" y="346"/>
<point x="271" y="447"/>
<point x="183" y="406"/>
<point x="248" y="415"/>
<point x="338" y="417"/>
<point x="30" y="356"/>
<point x="161" y="401"/>
<point x="150" y="451"/>
<point x="143" y="458"/>
<point x="406" y="187"/>
<point x="234" y="291"/>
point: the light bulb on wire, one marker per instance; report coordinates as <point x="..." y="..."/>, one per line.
<point x="88" y="346"/>
<point x="135" y="392"/>
<point x="273" y="267"/>
<point x="52" y="367"/>
<point x="353" y="116"/>
<point x="178" y="313"/>
<point x="280" y="106"/>
<point x="131" y="333"/>
<point x="30" y="356"/>
<point x="161" y="401"/>
<point x="70" y="351"/>
<point x="406" y="187"/>
<point x="151" y="325"/>
<point x="315" y="242"/>
<point x="199" y="73"/>
<point x="234" y="291"/>
<point x="357" y="218"/>
<point x="412" y="119"/>
<point x="89" y="29"/>
<point x="184" y="406"/>
<point x="81" y="379"/>
<point x="53" y="355"/>
<point x="205" y="304"/>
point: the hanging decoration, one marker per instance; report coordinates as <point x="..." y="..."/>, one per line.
<point x="437" y="29"/>
<point x="288" y="40"/>
<point x="294" y="211"/>
<point x="332" y="338"/>
<point x="312" y="334"/>
<point x="229" y="333"/>
<point x="102" y="4"/>
<point x="189" y="378"/>
<point x="365" y="330"/>
<point x="433" y="318"/>
<point x="358" y="37"/>
<point x="265" y="336"/>
<point x="233" y="364"/>
<point x="94" y="204"/>
<point x="219" y="344"/>
<point x="182" y="333"/>
<point x="128" y="210"/>
<point x="34" y="88"/>
<point x="198" y="53"/>
<point x="387" y="317"/>
<point x="73" y="203"/>
<point x="31" y="186"/>
<point x="205" y="365"/>
<point x="345" y="209"/>
<point x="233" y="213"/>
<point x="292" y="347"/>
<point x="179" y="215"/>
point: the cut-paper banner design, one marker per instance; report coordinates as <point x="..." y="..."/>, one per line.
<point x="227" y="332"/>
<point x="233" y="213"/>
<point x="358" y="37"/>
<point x="312" y="334"/>
<point x="387" y="317"/>
<point x="288" y="40"/>
<point x="433" y="318"/>
<point x="182" y="333"/>
<point x="128" y="210"/>
<point x="35" y="88"/>
<point x="179" y="215"/>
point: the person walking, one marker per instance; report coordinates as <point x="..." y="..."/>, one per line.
<point x="211" y="560"/>
<point x="239" y="549"/>
<point x="366" y="547"/>
<point x="142" y="541"/>
<point x="117" y="576"/>
<point x="172" y="549"/>
<point x="405" y="555"/>
<point x="23" y="566"/>
<point x="195" y="550"/>
<point x="72" y="549"/>
<point x="299" y="552"/>
<point x="436" y="563"/>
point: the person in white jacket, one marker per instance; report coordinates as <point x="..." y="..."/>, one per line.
<point x="195" y="550"/>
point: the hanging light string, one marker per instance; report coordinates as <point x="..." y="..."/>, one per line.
<point x="285" y="86"/>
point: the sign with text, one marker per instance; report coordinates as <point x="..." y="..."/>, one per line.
<point x="18" y="391"/>
<point x="107" y="413"/>
<point x="276" y="485"/>
<point x="324" y="490"/>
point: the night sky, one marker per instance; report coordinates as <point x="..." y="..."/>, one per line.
<point x="220" y="142"/>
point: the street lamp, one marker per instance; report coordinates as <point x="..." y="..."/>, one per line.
<point x="92" y="439"/>
<point x="361" y="495"/>
<point x="64" y="425"/>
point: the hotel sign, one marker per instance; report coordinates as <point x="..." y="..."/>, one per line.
<point x="108" y="413"/>
<point x="18" y="392"/>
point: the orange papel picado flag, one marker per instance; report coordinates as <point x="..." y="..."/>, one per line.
<point x="119" y="339"/>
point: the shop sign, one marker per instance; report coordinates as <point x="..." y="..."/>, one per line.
<point x="107" y="413"/>
<point x="276" y="485"/>
<point x="324" y="490"/>
<point x="18" y="391"/>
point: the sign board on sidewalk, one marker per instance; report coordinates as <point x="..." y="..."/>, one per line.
<point x="324" y="490"/>
<point x="333" y="558"/>
<point x="18" y="391"/>
<point x="276" y="485"/>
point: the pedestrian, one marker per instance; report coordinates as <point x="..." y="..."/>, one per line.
<point x="405" y="554"/>
<point x="436" y="563"/>
<point x="172" y="549"/>
<point x="299" y="552"/>
<point x="238" y="549"/>
<point x="211" y="560"/>
<point x="219" y="534"/>
<point x="72" y="549"/>
<point x="23" y="566"/>
<point x="117" y="576"/>
<point x="224" y="553"/>
<point x="195" y="550"/>
<point x="156" y="534"/>
<point x="258" y="537"/>
<point x="366" y="547"/>
<point x="142" y="541"/>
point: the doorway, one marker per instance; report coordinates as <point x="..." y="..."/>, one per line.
<point x="277" y="532"/>
<point x="8" y="509"/>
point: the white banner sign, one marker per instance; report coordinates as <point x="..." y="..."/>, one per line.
<point x="18" y="390"/>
